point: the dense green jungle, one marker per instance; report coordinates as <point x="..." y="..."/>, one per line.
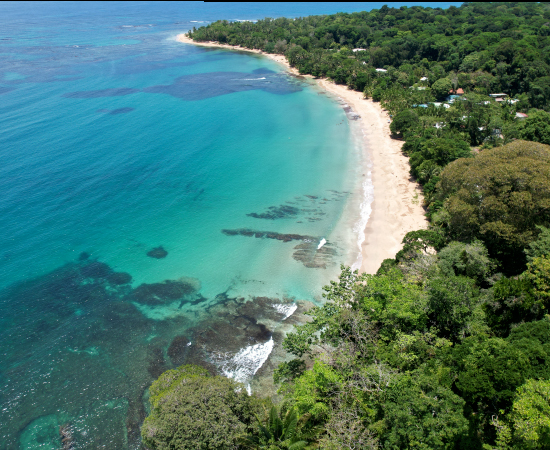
<point x="447" y="346"/>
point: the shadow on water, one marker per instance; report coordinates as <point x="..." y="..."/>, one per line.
<point x="78" y="352"/>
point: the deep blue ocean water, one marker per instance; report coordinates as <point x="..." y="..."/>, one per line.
<point x="160" y="203"/>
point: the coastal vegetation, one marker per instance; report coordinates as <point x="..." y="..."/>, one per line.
<point x="447" y="346"/>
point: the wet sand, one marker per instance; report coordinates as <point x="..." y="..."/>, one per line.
<point x="397" y="206"/>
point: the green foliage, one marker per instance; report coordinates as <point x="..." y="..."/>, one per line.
<point x="529" y="421"/>
<point x="419" y="413"/>
<point x="394" y="304"/>
<point x="417" y="356"/>
<point x="488" y="372"/>
<point x="511" y="303"/>
<point x="192" y="410"/>
<point x="539" y="92"/>
<point x="434" y="154"/>
<point x="170" y="379"/>
<point x="404" y="122"/>
<point x="442" y="87"/>
<point x="312" y="391"/>
<point x="539" y="247"/>
<point x="481" y="48"/>
<point x="386" y="265"/>
<point x="538" y="273"/>
<point x="533" y="340"/>
<point x="525" y="298"/>
<point x="289" y="370"/>
<point x="299" y="342"/>
<point x="499" y="197"/>
<point x="279" y="431"/>
<point x="470" y="260"/>
<point x="411" y="351"/>
<point x="451" y="302"/>
<point x="419" y="241"/>
<point x="536" y="127"/>
<point x="409" y="363"/>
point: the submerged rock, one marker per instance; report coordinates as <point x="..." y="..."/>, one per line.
<point x="95" y="269"/>
<point x="277" y="212"/>
<point x="313" y="257"/>
<point x="118" y="278"/>
<point x="157" y="365"/>
<point x="157" y="252"/>
<point x="159" y="293"/>
<point x="285" y="237"/>
<point x="83" y="256"/>
<point x="178" y="349"/>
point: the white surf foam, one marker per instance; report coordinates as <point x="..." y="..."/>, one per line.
<point x="366" y="210"/>
<point x="245" y="363"/>
<point x="287" y="310"/>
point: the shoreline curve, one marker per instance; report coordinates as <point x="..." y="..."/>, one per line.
<point x="396" y="207"/>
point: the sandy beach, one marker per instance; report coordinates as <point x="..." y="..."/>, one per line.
<point x="397" y="206"/>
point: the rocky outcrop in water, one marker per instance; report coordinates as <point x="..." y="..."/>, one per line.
<point x="284" y="237"/>
<point x="307" y="252"/>
<point x="312" y="257"/>
<point x="178" y="350"/>
<point x="119" y="278"/>
<point x="236" y="337"/>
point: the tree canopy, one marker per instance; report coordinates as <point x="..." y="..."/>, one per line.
<point x="192" y="410"/>
<point x="499" y="197"/>
<point x="482" y="47"/>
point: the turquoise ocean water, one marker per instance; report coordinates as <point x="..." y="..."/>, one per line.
<point x="160" y="204"/>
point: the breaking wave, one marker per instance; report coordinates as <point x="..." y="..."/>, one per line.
<point x="287" y="310"/>
<point x="245" y="363"/>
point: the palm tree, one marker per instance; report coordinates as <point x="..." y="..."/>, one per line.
<point x="281" y="431"/>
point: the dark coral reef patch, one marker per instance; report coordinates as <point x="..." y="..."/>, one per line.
<point x="157" y="252"/>
<point x="160" y="293"/>
<point x="178" y="350"/>
<point x="284" y="237"/>
<point x="312" y="257"/>
<point x="277" y="212"/>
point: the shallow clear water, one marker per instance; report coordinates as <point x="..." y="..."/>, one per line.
<point x="128" y="159"/>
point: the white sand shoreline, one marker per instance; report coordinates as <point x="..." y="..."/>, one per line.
<point x="397" y="205"/>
